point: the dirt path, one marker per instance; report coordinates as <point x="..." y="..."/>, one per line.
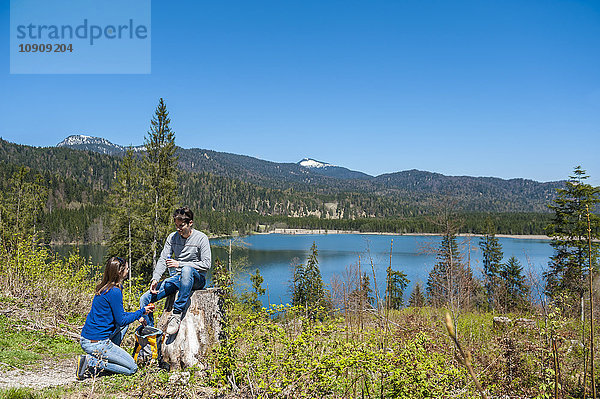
<point x="43" y="375"/>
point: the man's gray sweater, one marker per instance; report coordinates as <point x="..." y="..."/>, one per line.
<point x="193" y="251"/>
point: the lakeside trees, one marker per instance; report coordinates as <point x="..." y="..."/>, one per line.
<point x="492" y="258"/>
<point x="565" y="279"/>
<point x="307" y="283"/>
<point x="77" y="180"/>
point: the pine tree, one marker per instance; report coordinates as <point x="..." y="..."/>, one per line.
<point x="307" y="286"/>
<point x="417" y="299"/>
<point x="492" y="260"/>
<point x="257" y="290"/>
<point x="298" y="284"/>
<point x="450" y="282"/>
<point x="126" y="218"/>
<point x="362" y="296"/>
<point x="513" y="288"/>
<point x="23" y="205"/>
<point x="315" y="293"/>
<point x="568" y="229"/>
<point x="159" y="179"/>
<point x="396" y="284"/>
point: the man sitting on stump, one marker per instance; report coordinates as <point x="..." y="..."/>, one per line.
<point x="187" y="256"/>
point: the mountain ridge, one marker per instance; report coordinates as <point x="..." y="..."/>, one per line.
<point x="191" y="159"/>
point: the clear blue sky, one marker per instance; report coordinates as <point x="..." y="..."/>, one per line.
<point x="482" y="88"/>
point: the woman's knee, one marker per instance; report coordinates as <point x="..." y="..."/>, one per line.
<point x="132" y="369"/>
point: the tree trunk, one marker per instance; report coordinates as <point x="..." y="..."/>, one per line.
<point x="199" y="330"/>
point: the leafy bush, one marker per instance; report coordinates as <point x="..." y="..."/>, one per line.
<point x="297" y="357"/>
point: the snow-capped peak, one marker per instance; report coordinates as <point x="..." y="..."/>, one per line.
<point x="311" y="163"/>
<point x="96" y="144"/>
<point x="78" y="139"/>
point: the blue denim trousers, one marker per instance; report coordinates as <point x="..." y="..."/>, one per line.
<point x="108" y="355"/>
<point x="189" y="280"/>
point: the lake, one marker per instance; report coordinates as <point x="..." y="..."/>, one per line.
<point x="272" y="254"/>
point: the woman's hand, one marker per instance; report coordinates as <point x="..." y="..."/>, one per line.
<point x="149" y="308"/>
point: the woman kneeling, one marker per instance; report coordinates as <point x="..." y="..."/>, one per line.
<point x="106" y="325"/>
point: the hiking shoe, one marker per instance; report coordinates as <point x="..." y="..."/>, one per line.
<point x="81" y="367"/>
<point x="173" y="325"/>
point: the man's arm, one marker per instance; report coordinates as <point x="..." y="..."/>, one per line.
<point x="161" y="264"/>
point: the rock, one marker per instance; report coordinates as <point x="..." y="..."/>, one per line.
<point x="199" y="330"/>
<point x="179" y="378"/>
<point x="525" y="323"/>
<point x="501" y="322"/>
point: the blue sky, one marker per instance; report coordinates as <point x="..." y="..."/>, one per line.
<point x="482" y="88"/>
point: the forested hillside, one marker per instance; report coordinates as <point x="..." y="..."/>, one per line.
<point x="241" y="193"/>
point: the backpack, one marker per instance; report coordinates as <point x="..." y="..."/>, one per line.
<point x="148" y="341"/>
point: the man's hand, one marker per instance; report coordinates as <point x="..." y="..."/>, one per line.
<point x="153" y="286"/>
<point x="172" y="263"/>
<point x="149" y="308"/>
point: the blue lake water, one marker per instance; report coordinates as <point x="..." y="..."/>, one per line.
<point x="272" y="255"/>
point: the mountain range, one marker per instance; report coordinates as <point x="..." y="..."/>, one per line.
<point x="309" y="175"/>
<point x="240" y="193"/>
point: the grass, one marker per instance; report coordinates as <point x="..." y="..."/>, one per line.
<point x="20" y="346"/>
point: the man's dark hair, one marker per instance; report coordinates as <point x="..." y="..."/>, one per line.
<point x="184" y="214"/>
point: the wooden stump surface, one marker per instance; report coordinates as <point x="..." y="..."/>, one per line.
<point x="198" y="332"/>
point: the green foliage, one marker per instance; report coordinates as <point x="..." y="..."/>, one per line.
<point x="450" y="282"/>
<point x="514" y="290"/>
<point x="361" y="297"/>
<point x="257" y="290"/>
<point x="159" y="183"/>
<point x="128" y="226"/>
<point x="569" y="232"/>
<point x="307" y="284"/>
<point x="302" y="358"/>
<point x="492" y="254"/>
<point x="396" y="284"/>
<point x="417" y="298"/>
<point x="78" y="208"/>
<point x="29" y="271"/>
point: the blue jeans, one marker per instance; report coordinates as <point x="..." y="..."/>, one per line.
<point x="107" y="355"/>
<point x="189" y="280"/>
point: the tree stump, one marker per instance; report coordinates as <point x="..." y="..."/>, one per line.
<point x="199" y="329"/>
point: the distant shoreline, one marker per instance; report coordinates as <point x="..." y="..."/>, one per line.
<point x="326" y="231"/>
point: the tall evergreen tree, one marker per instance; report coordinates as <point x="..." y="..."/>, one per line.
<point x="569" y="231"/>
<point x="126" y="217"/>
<point x="396" y="284"/>
<point x="514" y="290"/>
<point x="159" y="179"/>
<point x="257" y="290"/>
<point x="23" y="204"/>
<point x="492" y="260"/>
<point x="450" y="282"/>
<point x="362" y="296"/>
<point x="298" y="283"/>
<point x="417" y="298"/>
<point x="315" y="293"/>
<point x="308" y="283"/>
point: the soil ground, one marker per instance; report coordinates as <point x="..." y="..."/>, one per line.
<point x="49" y="373"/>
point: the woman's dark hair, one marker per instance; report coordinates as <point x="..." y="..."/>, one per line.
<point x="113" y="275"/>
<point x="184" y="214"/>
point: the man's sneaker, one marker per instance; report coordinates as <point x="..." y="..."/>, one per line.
<point x="173" y="325"/>
<point x="81" y="367"/>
